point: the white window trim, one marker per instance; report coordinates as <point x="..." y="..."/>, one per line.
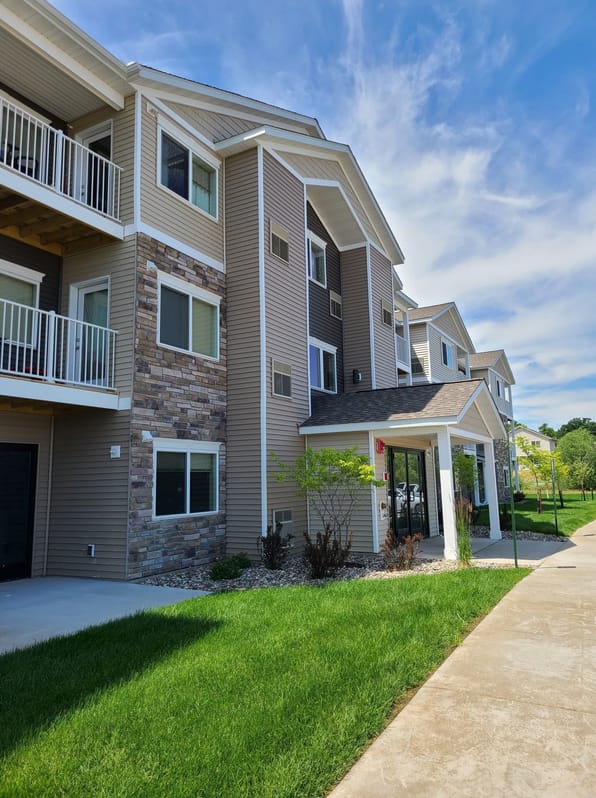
<point x="31" y="277"/>
<point x="337" y="298"/>
<point x="313" y="238"/>
<point x="450" y="346"/>
<point x="387" y="306"/>
<point x="188" y="447"/>
<point x="506" y="477"/>
<point x="197" y="150"/>
<point x="91" y="134"/>
<point x="280" y="232"/>
<point x="322" y="346"/>
<point x="283" y="523"/>
<point x="275" y="363"/>
<point x="195" y="292"/>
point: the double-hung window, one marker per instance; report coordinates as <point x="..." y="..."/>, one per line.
<point x="280" y="246"/>
<point x="322" y="366"/>
<point x="188" y="317"/>
<point x="19" y="300"/>
<point x="447" y="354"/>
<point x="184" y="173"/>
<point x="317" y="264"/>
<point x="335" y="305"/>
<point x="185" y="477"/>
<point x="387" y="313"/>
<point x="281" y="379"/>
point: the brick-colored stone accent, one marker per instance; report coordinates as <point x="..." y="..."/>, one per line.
<point x="176" y="395"/>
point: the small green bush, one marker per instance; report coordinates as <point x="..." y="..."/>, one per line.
<point x="230" y="567"/>
<point x="326" y="553"/>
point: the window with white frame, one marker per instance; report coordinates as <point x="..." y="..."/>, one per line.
<point x="280" y="246"/>
<point x="188" y="317"/>
<point x="387" y="313"/>
<point x="499" y="388"/>
<point x="184" y="173"/>
<point x="335" y="305"/>
<point x="506" y="476"/>
<point x="447" y="353"/>
<point x="185" y="477"/>
<point x="281" y="379"/>
<point x="317" y="264"/>
<point x="282" y="518"/>
<point x="19" y="299"/>
<point x="322" y="366"/>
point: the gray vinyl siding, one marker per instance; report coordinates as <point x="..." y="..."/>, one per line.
<point x="286" y="334"/>
<point x="38" y="260"/>
<point x="174" y="216"/>
<point x="362" y="521"/>
<point x="122" y="148"/>
<point x="244" y="367"/>
<point x="35" y="429"/>
<point x="440" y="372"/>
<point x="89" y="495"/>
<point x="322" y="324"/>
<point x="419" y="350"/>
<point x="118" y="262"/>
<point x="357" y="344"/>
<point x="328" y="169"/>
<point x="384" y="335"/>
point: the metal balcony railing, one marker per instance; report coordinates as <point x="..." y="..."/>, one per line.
<point x="42" y="345"/>
<point x="46" y="155"/>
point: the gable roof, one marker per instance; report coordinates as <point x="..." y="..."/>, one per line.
<point x="433" y="313"/>
<point x="495" y="359"/>
<point x="429" y="312"/>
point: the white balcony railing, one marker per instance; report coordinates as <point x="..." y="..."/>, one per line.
<point x="403" y="353"/>
<point x="56" y="161"/>
<point x="42" y="345"/>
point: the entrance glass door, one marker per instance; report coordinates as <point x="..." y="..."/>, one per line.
<point x="18" y="467"/>
<point x="407" y="486"/>
<point x="91" y="342"/>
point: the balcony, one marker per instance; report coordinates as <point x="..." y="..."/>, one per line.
<point x="71" y="186"/>
<point x="46" y="351"/>
<point x="403" y="351"/>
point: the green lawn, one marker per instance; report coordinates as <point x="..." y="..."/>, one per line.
<point x="260" y="693"/>
<point x="575" y="514"/>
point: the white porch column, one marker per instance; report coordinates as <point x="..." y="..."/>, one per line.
<point x="490" y="482"/>
<point x="447" y="497"/>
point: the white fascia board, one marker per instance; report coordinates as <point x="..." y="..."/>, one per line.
<point x="338" y="186"/>
<point x="275" y="155"/>
<point x="72" y="67"/>
<point x="158" y="79"/>
<point x="58" y="202"/>
<point x="42" y="391"/>
<point x="410" y="425"/>
<point x="482" y="388"/>
<point x="407" y="302"/>
<point x="171" y="116"/>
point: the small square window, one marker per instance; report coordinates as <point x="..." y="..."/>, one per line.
<point x="335" y="305"/>
<point x="387" y="313"/>
<point x="279" y="242"/>
<point x="317" y="266"/>
<point x="284" y="519"/>
<point x="282" y="379"/>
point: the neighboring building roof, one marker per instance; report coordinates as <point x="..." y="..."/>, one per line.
<point x="429" y="312"/>
<point x="534" y="433"/>
<point x="495" y="359"/>
<point x="417" y="402"/>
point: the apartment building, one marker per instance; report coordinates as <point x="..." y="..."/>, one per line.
<point x="189" y="281"/>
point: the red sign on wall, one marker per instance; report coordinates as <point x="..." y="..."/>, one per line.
<point x="380" y="446"/>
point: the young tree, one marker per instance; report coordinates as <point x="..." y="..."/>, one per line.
<point x="537" y="463"/>
<point x="577" y="449"/>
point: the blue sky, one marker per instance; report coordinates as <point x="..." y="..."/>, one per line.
<point x="475" y="125"/>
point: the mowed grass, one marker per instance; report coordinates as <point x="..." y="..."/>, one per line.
<point x="264" y="693"/>
<point x="572" y="516"/>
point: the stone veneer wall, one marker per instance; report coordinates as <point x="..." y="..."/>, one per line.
<point x="501" y="462"/>
<point x="180" y="396"/>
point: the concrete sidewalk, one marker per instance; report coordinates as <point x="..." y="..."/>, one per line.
<point x="512" y="712"/>
<point x="32" y="610"/>
<point x="530" y="553"/>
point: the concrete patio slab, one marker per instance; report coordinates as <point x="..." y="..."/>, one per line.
<point x="32" y="610"/>
<point x="513" y="710"/>
<point x="530" y="553"/>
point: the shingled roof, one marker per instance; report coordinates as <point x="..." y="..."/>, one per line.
<point x="483" y="360"/>
<point x="427" y="312"/>
<point x="416" y="402"/>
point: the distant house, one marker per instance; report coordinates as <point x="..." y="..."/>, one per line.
<point x="539" y="439"/>
<point x="189" y="280"/>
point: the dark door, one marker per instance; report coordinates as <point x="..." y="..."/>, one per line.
<point x="407" y="487"/>
<point x="98" y="174"/>
<point x="18" y="467"/>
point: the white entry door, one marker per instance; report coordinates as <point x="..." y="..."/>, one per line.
<point x="90" y="338"/>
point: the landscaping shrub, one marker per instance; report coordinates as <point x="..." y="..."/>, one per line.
<point x="519" y="496"/>
<point x="230" y="567"/>
<point x="400" y="555"/>
<point x="326" y="553"/>
<point x="273" y="548"/>
<point x="504" y="516"/>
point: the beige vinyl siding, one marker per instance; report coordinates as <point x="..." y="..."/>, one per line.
<point x="362" y="520"/>
<point x="419" y="349"/>
<point x="118" y="262"/>
<point x="174" y="216"/>
<point x="89" y="495"/>
<point x="214" y="126"/>
<point x="357" y="344"/>
<point x="440" y="372"/>
<point x="36" y="429"/>
<point x="123" y="141"/>
<point x="286" y="332"/>
<point x="328" y="169"/>
<point x="431" y="492"/>
<point x="473" y="422"/>
<point x="448" y="325"/>
<point x="382" y="291"/>
<point x="244" y="399"/>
